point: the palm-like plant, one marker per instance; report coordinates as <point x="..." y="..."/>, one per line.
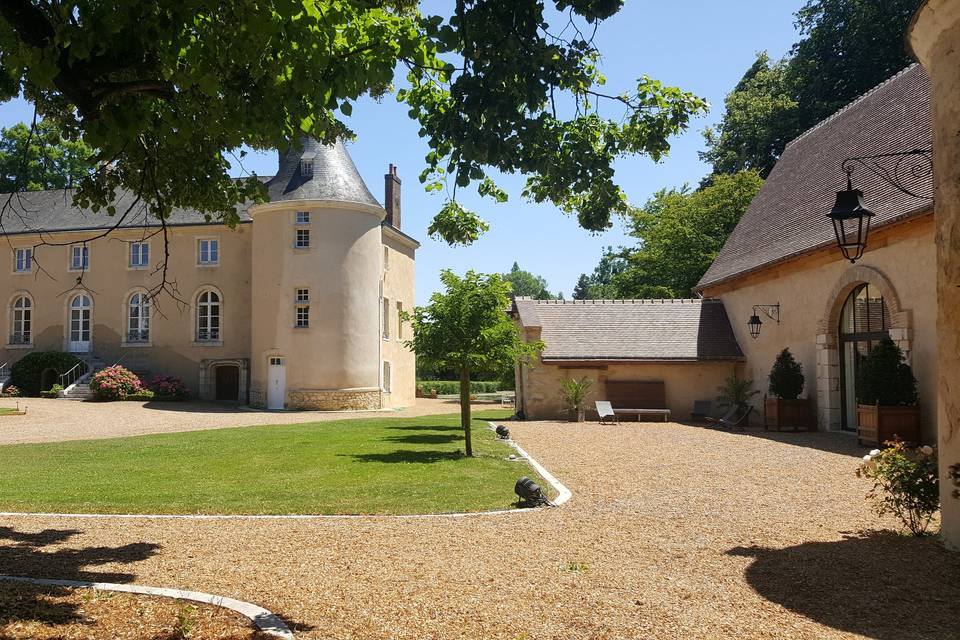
<point x="735" y="392"/>
<point x="575" y="394"/>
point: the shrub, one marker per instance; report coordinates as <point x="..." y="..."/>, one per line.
<point x="52" y="392"/>
<point x="905" y="483"/>
<point x="735" y="392"/>
<point x="114" y="383"/>
<point x="885" y="378"/>
<point x="27" y="373"/>
<point x="786" y="377"/>
<point x="11" y="391"/>
<point x="452" y="387"/>
<point x="575" y="392"/>
<point x="169" y="387"/>
<point x="143" y="394"/>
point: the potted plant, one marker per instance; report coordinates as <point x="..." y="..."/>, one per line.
<point x="887" y="407"/>
<point x="575" y="395"/>
<point x="784" y="407"/>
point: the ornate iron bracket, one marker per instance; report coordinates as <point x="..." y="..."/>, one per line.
<point x="910" y="172"/>
<point x="954" y="475"/>
<point x="772" y="311"/>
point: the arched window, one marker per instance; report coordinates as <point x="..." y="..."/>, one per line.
<point x="208" y="317"/>
<point x="21" y="321"/>
<point x="864" y="321"/>
<point x="138" y="318"/>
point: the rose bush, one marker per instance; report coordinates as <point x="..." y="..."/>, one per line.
<point x="114" y="383"/>
<point x="169" y="387"/>
<point x="905" y="483"/>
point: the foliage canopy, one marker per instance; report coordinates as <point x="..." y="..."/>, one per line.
<point x="164" y="91"/>
<point x="786" y="377"/>
<point x="885" y="378"/>
<point x="524" y="283"/>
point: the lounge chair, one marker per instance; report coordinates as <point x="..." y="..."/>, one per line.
<point x="735" y="421"/>
<point x="605" y="410"/>
<point x="731" y="412"/>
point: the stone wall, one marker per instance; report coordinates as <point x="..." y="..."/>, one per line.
<point x="935" y="39"/>
<point x="333" y="399"/>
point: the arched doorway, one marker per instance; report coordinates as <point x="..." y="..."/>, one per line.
<point x="864" y="321"/>
<point x="227" y="383"/>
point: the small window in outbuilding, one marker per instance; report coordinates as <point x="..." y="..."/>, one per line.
<point x="306" y="167"/>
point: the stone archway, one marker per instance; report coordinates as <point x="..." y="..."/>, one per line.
<point x="829" y="404"/>
<point x="208" y="377"/>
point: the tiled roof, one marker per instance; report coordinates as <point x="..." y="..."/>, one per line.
<point x="335" y="177"/>
<point x="788" y="216"/>
<point x="654" y="330"/>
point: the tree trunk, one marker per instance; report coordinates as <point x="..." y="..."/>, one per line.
<point x="465" y="408"/>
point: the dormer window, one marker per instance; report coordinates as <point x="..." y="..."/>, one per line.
<point x="306" y="166"/>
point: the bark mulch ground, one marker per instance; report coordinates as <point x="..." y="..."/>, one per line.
<point x="56" y="613"/>
<point x="673" y="532"/>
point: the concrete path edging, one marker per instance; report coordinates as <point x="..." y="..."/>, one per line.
<point x="262" y="619"/>
<point x="563" y="495"/>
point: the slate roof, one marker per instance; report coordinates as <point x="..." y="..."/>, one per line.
<point x="335" y="177"/>
<point x="787" y="218"/>
<point x="631" y="330"/>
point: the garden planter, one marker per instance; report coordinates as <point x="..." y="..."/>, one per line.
<point x="576" y="415"/>
<point x="877" y="424"/>
<point x="779" y="414"/>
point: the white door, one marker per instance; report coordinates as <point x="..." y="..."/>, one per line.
<point x="276" y="383"/>
<point x="80" y="323"/>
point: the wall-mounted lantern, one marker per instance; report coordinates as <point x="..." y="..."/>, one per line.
<point x="851" y="221"/>
<point x="772" y="311"/>
<point x="910" y="172"/>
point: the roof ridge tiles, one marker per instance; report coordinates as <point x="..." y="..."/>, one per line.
<point x="850" y="104"/>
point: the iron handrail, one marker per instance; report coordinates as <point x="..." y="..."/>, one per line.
<point x="68" y="378"/>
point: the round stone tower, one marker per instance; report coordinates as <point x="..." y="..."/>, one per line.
<point x="315" y="326"/>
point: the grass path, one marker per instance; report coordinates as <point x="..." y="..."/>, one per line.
<point x="377" y="465"/>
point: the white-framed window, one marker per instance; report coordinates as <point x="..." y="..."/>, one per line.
<point x="208" y="316"/>
<point x="21" y="321"/>
<point x="139" y="255"/>
<point x="302" y="309"/>
<point x="302" y="240"/>
<point x="303" y="217"/>
<point x="399" y="321"/>
<point x="79" y="257"/>
<point x="387" y="382"/>
<point x="138" y="318"/>
<point x="208" y="251"/>
<point x="386" y="318"/>
<point x="306" y="167"/>
<point x="23" y="260"/>
<point x="386" y="259"/>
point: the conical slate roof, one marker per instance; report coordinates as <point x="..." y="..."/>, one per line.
<point x="334" y="177"/>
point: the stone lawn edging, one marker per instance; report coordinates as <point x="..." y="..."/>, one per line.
<point x="262" y="619"/>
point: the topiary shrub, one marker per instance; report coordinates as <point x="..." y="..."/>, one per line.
<point x="786" y="377"/>
<point x="27" y="373"/>
<point x="114" y="383"/>
<point x="168" y="388"/>
<point x="885" y="378"/>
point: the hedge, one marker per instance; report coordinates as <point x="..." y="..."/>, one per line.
<point x="27" y="372"/>
<point x="452" y="387"/>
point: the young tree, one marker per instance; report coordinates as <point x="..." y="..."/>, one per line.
<point x="466" y="328"/>
<point x="582" y="289"/>
<point x="165" y="91"/>
<point x="524" y="283"/>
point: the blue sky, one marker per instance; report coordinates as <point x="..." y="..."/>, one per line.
<point x="702" y="46"/>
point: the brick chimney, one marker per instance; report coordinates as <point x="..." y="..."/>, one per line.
<point x="391" y="197"/>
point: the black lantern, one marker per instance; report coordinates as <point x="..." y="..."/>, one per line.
<point x="851" y="221"/>
<point x="754" y="325"/>
<point x="772" y="311"/>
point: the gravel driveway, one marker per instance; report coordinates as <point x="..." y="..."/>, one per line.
<point x="59" y="420"/>
<point x="673" y="532"/>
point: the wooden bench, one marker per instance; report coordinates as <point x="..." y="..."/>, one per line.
<point x="638" y="398"/>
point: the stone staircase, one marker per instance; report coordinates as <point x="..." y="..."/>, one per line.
<point x="80" y="390"/>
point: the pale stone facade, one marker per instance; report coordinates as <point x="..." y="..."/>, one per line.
<point x="935" y="38"/>
<point x="299" y="283"/>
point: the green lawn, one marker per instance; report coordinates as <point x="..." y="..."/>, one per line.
<point x="9" y="411"/>
<point x="376" y="465"/>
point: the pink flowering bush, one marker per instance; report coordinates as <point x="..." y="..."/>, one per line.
<point x="11" y="391"/>
<point x="114" y="383"/>
<point x="169" y="387"/>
